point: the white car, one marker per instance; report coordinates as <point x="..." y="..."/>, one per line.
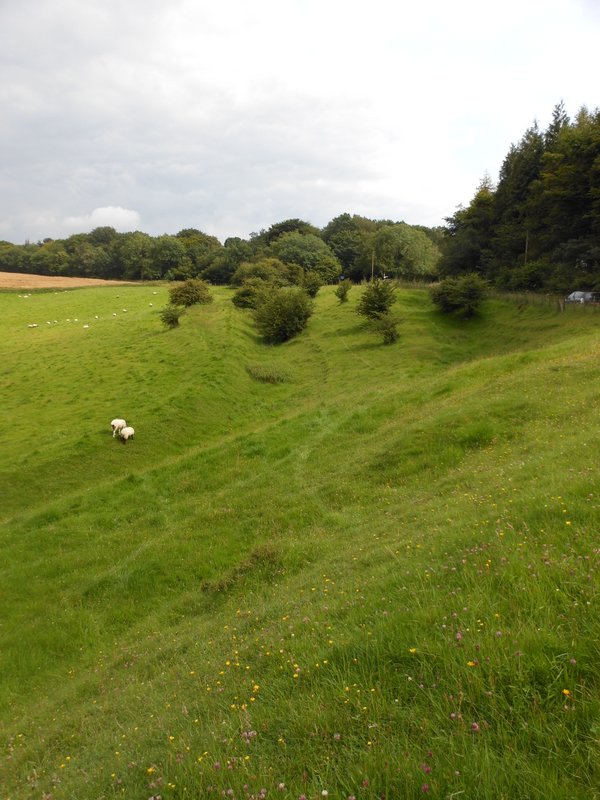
<point x="582" y="297"/>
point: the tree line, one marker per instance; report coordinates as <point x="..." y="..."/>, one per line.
<point x="538" y="228"/>
<point x="350" y="246"/>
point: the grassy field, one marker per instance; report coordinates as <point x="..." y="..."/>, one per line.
<point x="331" y="568"/>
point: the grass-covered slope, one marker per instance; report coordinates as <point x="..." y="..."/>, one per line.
<point x="330" y="566"/>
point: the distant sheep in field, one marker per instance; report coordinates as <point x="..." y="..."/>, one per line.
<point x="117" y="426"/>
<point x="126" y="433"/>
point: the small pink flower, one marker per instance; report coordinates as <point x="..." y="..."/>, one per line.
<point x="337" y="736"/>
<point x="217" y="765"/>
<point x="475" y="727"/>
<point x="458" y="636"/>
<point x="425" y="788"/>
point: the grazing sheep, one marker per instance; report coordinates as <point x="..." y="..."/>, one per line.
<point x="117" y="426"/>
<point x="126" y="433"/>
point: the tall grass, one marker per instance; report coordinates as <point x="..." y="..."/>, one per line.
<point x="378" y="577"/>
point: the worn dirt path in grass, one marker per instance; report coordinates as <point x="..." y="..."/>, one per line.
<point x="21" y="280"/>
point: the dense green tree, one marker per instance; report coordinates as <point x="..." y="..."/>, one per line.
<point x="219" y="265"/>
<point x="541" y="226"/>
<point x="85" y="258"/>
<point x="104" y="235"/>
<point x="170" y="258"/>
<point x="51" y="259"/>
<point x="377" y="299"/>
<point x="469" y="233"/>
<point x="566" y="198"/>
<point x="347" y="237"/>
<point x="309" y="252"/>
<point x="461" y="295"/>
<point x="521" y="167"/>
<point x="14" y="258"/>
<point x="287" y="226"/>
<point x="400" y="251"/>
<point x="559" y="121"/>
<point x="199" y="247"/>
<point x="134" y="253"/>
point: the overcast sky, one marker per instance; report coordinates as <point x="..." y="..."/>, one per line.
<point x="229" y="115"/>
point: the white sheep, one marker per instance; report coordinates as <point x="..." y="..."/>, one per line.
<point x="117" y="426"/>
<point x="126" y="433"/>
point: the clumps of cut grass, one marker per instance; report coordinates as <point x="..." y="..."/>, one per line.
<point x="267" y="373"/>
<point x="262" y="557"/>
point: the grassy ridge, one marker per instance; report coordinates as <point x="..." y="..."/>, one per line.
<point x="377" y="576"/>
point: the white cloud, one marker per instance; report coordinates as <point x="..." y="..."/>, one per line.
<point x="231" y="116"/>
<point x="121" y="219"/>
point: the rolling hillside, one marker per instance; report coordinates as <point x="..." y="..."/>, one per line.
<point x="328" y="568"/>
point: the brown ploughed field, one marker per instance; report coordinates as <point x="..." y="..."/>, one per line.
<point x="22" y="280"/>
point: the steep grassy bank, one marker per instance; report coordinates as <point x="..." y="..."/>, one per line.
<point x="377" y="577"/>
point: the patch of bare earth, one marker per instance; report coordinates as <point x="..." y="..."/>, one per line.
<point x="21" y="280"/>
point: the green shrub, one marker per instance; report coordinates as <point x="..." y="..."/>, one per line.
<point x="282" y="314"/>
<point x="190" y="292"/>
<point x="170" y="316"/>
<point x="271" y="270"/>
<point x="342" y="290"/>
<point x="251" y="293"/>
<point x="312" y="283"/>
<point x="459" y="295"/>
<point x="377" y="299"/>
<point x="386" y="326"/>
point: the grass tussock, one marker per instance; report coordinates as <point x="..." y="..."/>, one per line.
<point x="378" y="580"/>
<point x="267" y="373"/>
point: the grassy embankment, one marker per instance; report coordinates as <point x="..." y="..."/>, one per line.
<point x="376" y="576"/>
